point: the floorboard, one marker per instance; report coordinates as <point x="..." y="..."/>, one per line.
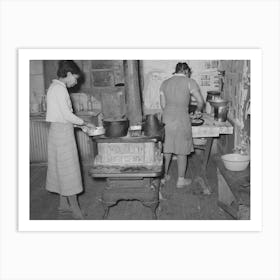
<point x="177" y="204"/>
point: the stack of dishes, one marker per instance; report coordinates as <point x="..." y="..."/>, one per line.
<point x="196" y="119"/>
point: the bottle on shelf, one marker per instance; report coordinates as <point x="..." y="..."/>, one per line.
<point x="92" y="102"/>
<point x="43" y="104"/>
<point x="89" y="104"/>
<point x="81" y="106"/>
<point x="100" y="117"/>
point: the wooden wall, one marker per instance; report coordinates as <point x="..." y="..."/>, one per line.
<point x="37" y="82"/>
<point x="237" y="91"/>
<point x="98" y="74"/>
<point x="154" y="72"/>
<point x="99" y="80"/>
<point x="103" y="79"/>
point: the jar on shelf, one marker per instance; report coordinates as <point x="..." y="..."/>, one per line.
<point x="43" y="104"/>
<point x="89" y="104"/>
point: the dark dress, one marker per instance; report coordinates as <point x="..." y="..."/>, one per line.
<point x="178" y="130"/>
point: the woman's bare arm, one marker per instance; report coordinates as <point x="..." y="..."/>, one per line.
<point x="162" y="100"/>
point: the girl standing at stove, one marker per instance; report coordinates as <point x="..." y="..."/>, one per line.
<point x="175" y="94"/>
<point x="64" y="175"/>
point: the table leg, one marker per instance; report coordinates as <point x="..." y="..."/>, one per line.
<point x="207" y="154"/>
<point x="201" y="178"/>
<point x="106" y="212"/>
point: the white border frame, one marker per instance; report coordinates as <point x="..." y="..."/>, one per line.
<point x="24" y="57"/>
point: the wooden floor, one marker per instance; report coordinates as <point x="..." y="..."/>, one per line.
<point x="176" y="204"/>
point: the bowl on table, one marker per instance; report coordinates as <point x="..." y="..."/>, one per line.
<point x="235" y="162"/>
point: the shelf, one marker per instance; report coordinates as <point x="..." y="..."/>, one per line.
<point x="93" y="113"/>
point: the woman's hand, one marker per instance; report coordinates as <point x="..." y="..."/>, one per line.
<point x="90" y="125"/>
<point x="87" y="127"/>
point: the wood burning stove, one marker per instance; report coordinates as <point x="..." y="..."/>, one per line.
<point x="132" y="167"/>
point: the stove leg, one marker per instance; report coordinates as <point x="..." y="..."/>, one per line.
<point x="154" y="211"/>
<point x="207" y="153"/>
<point x="153" y="207"/>
<point x="106" y="213"/>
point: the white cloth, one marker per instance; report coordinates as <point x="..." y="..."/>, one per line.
<point x="64" y="174"/>
<point x="59" y="106"/>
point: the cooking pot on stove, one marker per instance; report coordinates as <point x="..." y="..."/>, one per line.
<point x="116" y="127"/>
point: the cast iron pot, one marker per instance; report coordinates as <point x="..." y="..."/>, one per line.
<point x="116" y="128"/>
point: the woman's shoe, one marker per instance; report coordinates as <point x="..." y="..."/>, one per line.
<point x="64" y="209"/>
<point x="78" y="216"/>
<point x="183" y="182"/>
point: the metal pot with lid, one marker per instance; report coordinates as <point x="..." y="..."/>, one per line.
<point x="212" y="95"/>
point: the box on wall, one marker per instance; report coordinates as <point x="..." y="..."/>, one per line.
<point x="103" y="78"/>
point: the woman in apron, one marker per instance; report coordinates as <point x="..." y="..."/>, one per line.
<point x="64" y="175"/>
<point x="175" y="95"/>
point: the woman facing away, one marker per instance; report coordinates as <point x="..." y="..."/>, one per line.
<point x="64" y="175"/>
<point x="175" y="94"/>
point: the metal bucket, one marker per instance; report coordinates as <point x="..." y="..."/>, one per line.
<point x="152" y="126"/>
<point x="211" y="96"/>
<point x="220" y="113"/>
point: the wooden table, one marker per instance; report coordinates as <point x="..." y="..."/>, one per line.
<point x="210" y="129"/>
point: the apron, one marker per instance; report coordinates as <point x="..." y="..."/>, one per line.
<point x="178" y="129"/>
<point x="63" y="175"/>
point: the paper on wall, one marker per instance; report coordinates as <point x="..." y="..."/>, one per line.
<point x="151" y="88"/>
